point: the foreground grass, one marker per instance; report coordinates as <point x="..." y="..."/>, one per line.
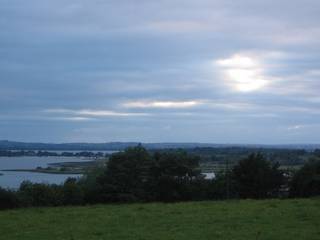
<point x="245" y="219"/>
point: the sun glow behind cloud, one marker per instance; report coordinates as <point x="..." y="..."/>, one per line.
<point x="243" y="73"/>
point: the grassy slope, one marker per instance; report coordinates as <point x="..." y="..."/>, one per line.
<point x="246" y="219"/>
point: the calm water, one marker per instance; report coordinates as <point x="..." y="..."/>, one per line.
<point x="13" y="179"/>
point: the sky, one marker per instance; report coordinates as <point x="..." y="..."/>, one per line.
<point x="215" y="71"/>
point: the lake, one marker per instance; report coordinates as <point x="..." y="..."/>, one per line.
<point x="13" y="179"/>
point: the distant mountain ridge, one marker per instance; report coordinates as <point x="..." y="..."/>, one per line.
<point x="12" y="145"/>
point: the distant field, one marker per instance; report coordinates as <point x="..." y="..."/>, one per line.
<point x="245" y="219"/>
<point x="221" y="167"/>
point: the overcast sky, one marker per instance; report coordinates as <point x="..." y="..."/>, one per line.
<point x="218" y="71"/>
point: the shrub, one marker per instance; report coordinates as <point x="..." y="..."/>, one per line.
<point x="8" y="199"/>
<point x="306" y="181"/>
<point x="72" y="192"/>
<point x="255" y="177"/>
<point x="40" y="194"/>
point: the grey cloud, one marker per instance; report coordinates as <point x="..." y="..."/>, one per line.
<point x="98" y="55"/>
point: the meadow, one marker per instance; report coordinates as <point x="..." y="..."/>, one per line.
<point x="233" y="219"/>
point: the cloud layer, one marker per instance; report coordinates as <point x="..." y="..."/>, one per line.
<point x="207" y="71"/>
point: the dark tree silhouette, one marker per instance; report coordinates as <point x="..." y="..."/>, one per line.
<point x="306" y="181"/>
<point x="257" y="178"/>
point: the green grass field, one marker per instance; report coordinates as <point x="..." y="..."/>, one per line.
<point x="245" y="219"/>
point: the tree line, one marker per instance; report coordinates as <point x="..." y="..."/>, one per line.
<point x="136" y="175"/>
<point x="31" y="153"/>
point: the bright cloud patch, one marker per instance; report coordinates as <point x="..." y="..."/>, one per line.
<point x="95" y="113"/>
<point x="295" y="127"/>
<point x="243" y="73"/>
<point x="161" y="104"/>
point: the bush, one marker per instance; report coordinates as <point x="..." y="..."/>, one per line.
<point x="72" y="192"/>
<point x="127" y="176"/>
<point x="175" y="175"/>
<point x="40" y="194"/>
<point x="255" y="177"/>
<point x="222" y="187"/>
<point x="8" y="199"/>
<point x="306" y="181"/>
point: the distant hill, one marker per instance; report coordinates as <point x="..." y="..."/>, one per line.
<point x="12" y="145"/>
